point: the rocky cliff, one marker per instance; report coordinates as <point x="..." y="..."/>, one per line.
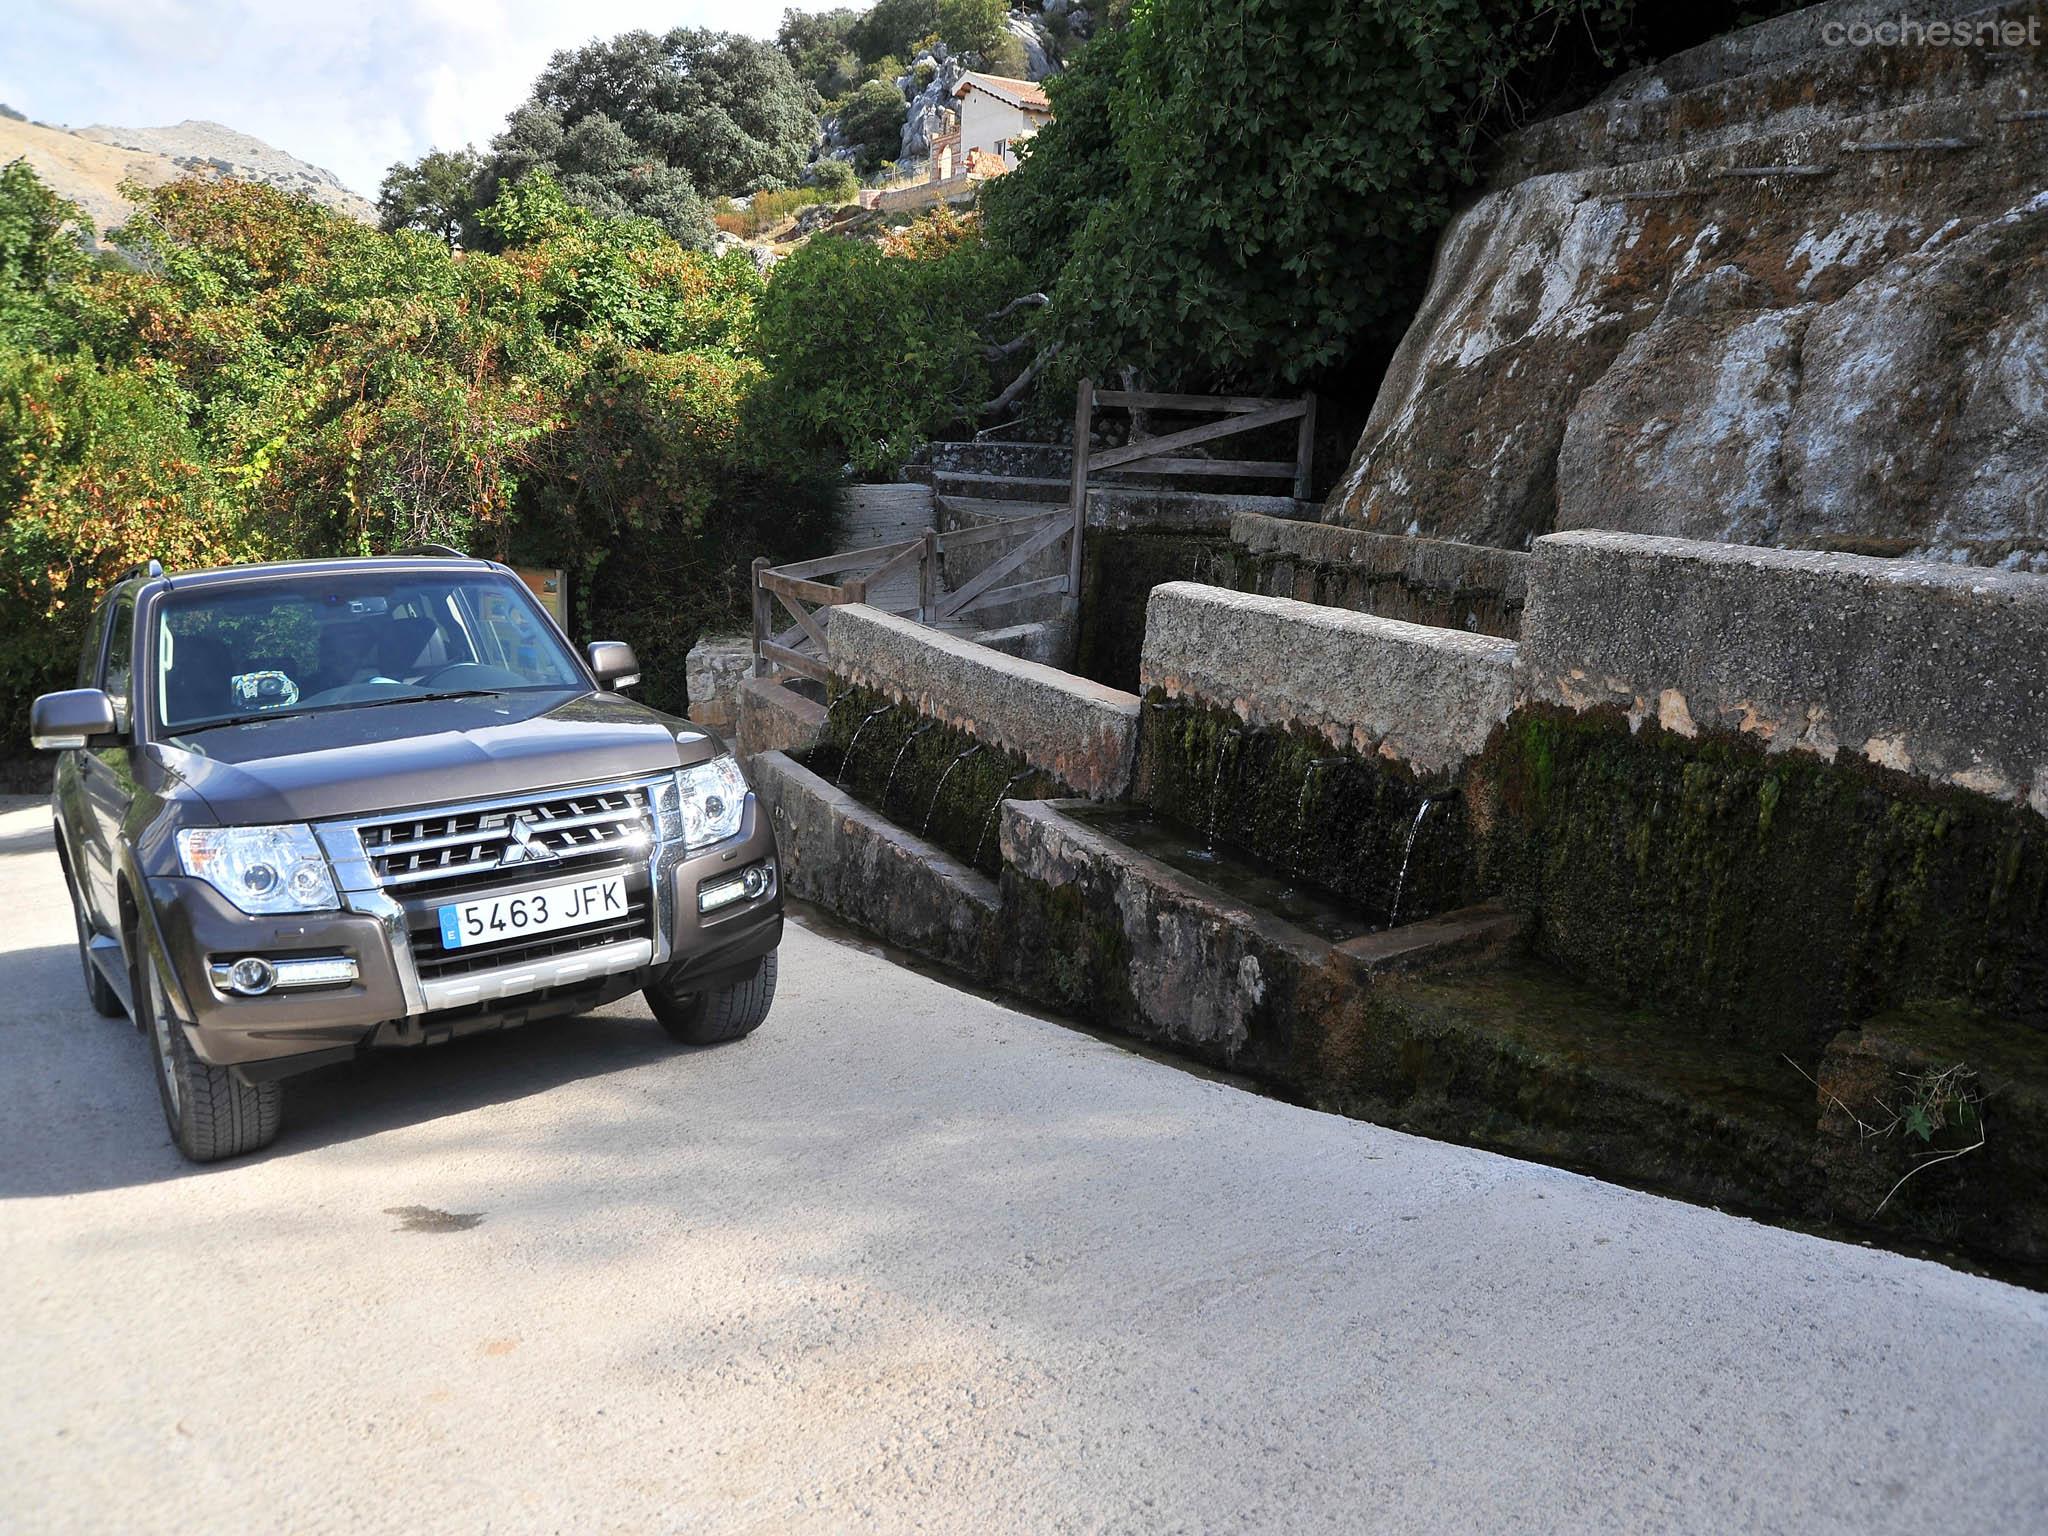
<point x="88" y="165"/>
<point x="1780" y="289"/>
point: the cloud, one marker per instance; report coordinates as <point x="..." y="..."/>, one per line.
<point x="348" y="86"/>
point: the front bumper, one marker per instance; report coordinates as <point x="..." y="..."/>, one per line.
<point x="408" y="992"/>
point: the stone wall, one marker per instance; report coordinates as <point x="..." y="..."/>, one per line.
<point x="1083" y="734"/>
<point x="1932" y="670"/>
<point x="1424" y="581"/>
<point x="1427" y="698"/>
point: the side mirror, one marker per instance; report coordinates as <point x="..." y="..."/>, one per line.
<point x="614" y="664"/>
<point x="73" y="718"/>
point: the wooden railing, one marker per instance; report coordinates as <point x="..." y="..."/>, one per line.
<point x="804" y="594"/>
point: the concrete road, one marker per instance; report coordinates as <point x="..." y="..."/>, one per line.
<point x="910" y="1260"/>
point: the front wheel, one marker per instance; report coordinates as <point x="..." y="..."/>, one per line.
<point x="211" y="1112"/>
<point x="706" y="1018"/>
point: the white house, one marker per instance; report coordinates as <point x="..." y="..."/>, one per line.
<point x="996" y="114"/>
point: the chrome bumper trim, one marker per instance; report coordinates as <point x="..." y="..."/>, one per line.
<point x="532" y="975"/>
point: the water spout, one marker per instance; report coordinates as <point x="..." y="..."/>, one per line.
<point x="1394" y="909"/>
<point x="932" y="808"/>
<point x="989" y="821"/>
<point x="847" y="761"/>
<point x="883" y="805"/>
<point x="1216" y="787"/>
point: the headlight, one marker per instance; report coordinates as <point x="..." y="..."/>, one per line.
<point x="260" y="869"/>
<point x="713" y="797"/>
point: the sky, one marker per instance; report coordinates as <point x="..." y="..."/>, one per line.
<point x="351" y="85"/>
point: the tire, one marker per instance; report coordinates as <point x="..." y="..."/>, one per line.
<point x="708" y="1018"/>
<point x="106" y="1002"/>
<point x="212" y="1113"/>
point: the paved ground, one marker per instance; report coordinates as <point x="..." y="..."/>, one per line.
<point x="907" y="1259"/>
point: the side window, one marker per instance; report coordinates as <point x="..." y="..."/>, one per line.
<point x="117" y="676"/>
<point x="89" y="653"/>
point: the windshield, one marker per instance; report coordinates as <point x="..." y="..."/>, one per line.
<point x="293" y="647"/>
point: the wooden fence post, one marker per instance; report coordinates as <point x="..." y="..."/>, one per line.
<point x="1305" y="450"/>
<point x="928" y="577"/>
<point x="760" y="565"/>
<point x="1084" y="419"/>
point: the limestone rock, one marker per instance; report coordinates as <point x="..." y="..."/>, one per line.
<point x="1770" y="291"/>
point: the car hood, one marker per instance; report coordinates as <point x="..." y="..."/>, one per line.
<point x="355" y="762"/>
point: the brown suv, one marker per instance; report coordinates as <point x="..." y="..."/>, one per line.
<point x="308" y="809"/>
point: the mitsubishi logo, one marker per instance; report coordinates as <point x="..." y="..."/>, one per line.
<point x="524" y="847"/>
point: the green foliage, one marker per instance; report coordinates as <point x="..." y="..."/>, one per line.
<point x="871" y="353"/>
<point x="819" y="48"/>
<point x="974" y="26"/>
<point x="835" y="180"/>
<point x="894" y="28"/>
<point x="871" y="120"/>
<point x="435" y="194"/>
<point x="268" y="379"/>
<point x="649" y="126"/>
<point x="1204" y="220"/>
<point x="40" y="251"/>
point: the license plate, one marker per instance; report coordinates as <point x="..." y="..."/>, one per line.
<point x="540" y="909"/>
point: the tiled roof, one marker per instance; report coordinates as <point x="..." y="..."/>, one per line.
<point x="1018" y="93"/>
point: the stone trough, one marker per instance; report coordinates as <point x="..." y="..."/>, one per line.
<point x="1654" y="891"/>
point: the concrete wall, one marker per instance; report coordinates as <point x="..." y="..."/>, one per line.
<point x="1934" y="670"/>
<point x="1425" y="697"/>
<point x="1082" y="733"/>
<point x="1424" y="581"/>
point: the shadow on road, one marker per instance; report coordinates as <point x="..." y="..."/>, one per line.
<point x="78" y="1105"/>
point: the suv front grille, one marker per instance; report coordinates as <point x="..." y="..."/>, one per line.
<point x="451" y="849"/>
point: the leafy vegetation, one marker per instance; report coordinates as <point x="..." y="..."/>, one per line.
<point x="873" y="352"/>
<point x="1247" y="194"/>
<point x="268" y="379"/>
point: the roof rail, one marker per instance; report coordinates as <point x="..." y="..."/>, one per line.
<point x="151" y="567"/>
<point x="439" y="551"/>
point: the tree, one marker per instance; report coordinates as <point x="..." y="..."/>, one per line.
<point x="652" y="125"/>
<point x="436" y="195"/>
<point x="40" y="253"/>
<point x="869" y="353"/>
<point x="819" y="48"/>
<point x="978" y="27"/>
<point x="871" y="120"/>
<point x="894" y="28"/>
<point x="598" y="166"/>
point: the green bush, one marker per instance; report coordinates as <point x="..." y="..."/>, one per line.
<point x="871" y="120"/>
<point x="870" y="353"/>
<point x="267" y="380"/>
<point x="836" y="181"/>
<point x="1193" y="224"/>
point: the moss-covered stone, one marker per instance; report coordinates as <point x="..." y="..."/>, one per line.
<point x="927" y="777"/>
<point x="1775" y="895"/>
<point x="1347" y="824"/>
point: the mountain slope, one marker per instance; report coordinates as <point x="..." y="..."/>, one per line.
<point x="89" y="165"/>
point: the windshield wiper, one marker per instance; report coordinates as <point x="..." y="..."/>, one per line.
<point x="420" y="698"/>
<point x="289" y="714"/>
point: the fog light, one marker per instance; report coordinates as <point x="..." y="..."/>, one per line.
<point x="252" y="974"/>
<point x="751" y="884"/>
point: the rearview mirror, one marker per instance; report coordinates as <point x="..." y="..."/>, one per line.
<point x="74" y="718"/>
<point x="614" y="664"/>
